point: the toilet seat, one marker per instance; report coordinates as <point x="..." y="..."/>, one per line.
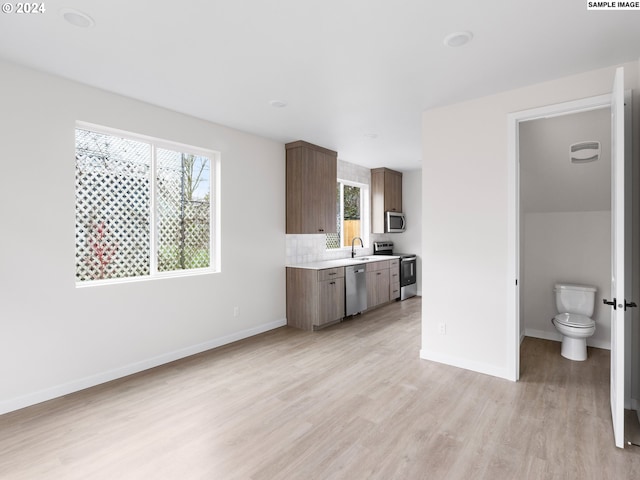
<point x="574" y="320"/>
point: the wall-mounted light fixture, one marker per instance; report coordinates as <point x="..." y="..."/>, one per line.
<point x="584" y="152"/>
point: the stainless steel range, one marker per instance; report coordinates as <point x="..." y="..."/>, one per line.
<point x="408" y="261"/>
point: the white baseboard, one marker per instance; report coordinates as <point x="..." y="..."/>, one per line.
<point x="598" y="344"/>
<point x="546" y="335"/>
<point x="103" y="377"/>
<point x="464" y="363"/>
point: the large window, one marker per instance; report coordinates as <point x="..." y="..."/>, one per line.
<point x="144" y="207"/>
<point x="352" y="215"/>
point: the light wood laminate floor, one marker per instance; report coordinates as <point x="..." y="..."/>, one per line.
<point x="353" y="401"/>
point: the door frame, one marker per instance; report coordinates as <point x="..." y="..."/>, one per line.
<point x="513" y="211"/>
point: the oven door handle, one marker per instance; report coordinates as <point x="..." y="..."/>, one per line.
<point x="410" y="259"/>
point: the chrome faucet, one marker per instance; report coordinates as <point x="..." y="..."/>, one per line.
<point x="353" y="248"/>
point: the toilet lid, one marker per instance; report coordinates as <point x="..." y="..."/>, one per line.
<point x="574" y="320"/>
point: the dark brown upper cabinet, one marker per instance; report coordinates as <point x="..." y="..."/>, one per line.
<point x="386" y="196"/>
<point x="311" y="188"/>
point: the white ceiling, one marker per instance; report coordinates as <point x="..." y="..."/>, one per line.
<point x="549" y="182"/>
<point x="346" y="68"/>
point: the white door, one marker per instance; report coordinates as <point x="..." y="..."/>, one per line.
<point x="618" y="302"/>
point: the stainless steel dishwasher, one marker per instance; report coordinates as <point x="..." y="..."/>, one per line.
<point x="355" y="289"/>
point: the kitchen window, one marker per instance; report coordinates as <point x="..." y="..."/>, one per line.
<point x="145" y="208"/>
<point x="352" y="215"/>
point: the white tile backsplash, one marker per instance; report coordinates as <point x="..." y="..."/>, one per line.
<point x="313" y="248"/>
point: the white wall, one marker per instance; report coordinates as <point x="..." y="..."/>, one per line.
<point x="568" y="247"/>
<point x="565" y="218"/>
<point x="465" y="218"/>
<point x="410" y="241"/>
<point x="56" y="338"/>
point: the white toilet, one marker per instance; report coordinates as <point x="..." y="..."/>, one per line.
<point x="575" y="304"/>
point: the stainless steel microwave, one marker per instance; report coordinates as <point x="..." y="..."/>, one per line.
<point x="394" y="222"/>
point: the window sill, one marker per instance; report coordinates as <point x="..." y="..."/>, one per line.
<point x="146" y="278"/>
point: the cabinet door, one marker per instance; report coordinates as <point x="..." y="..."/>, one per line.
<point x="377" y="287"/>
<point x="386" y="195"/>
<point x="394" y="291"/>
<point x="383" y="286"/>
<point x="331" y="301"/>
<point x="377" y="201"/>
<point x="372" y="291"/>
<point x="311" y="189"/>
<point x="322" y="198"/>
<point x="394" y="280"/>
<point x="393" y="192"/>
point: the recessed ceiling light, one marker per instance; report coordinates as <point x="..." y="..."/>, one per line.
<point x="372" y="136"/>
<point x="277" y="103"/>
<point x="77" y="18"/>
<point x="457" y="39"/>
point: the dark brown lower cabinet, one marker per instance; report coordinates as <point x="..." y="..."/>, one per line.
<point x="315" y="298"/>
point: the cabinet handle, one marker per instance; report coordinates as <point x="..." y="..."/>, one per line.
<point x="321" y="229"/>
<point x="334" y="273"/>
<point x="379" y="273"/>
<point x="332" y="283"/>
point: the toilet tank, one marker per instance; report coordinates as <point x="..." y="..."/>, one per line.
<point x="578" y="299"/>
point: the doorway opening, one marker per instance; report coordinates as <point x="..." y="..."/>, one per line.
<point x="619" y="293"/>
<point x="515" y="224"/>
<point x="565" y="222"/>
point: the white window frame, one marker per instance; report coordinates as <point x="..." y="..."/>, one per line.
<point x="364" y="213"/>
<point x="214" y="206"/>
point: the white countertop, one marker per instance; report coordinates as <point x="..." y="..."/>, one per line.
<point x="344" y="262"/>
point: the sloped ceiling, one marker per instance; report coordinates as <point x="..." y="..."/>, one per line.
<point x="549" y="182"/>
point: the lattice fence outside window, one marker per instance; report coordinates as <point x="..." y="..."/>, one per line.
<point x="183" y="210"/>
<point x="141" y="209"/>
<point x="333" y="240"/>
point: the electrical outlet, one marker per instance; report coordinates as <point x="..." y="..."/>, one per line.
<point x="236" y="311"/>
<point x="442" y="328"/>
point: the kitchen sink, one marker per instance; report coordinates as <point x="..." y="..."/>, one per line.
<point x="362" y="259"/>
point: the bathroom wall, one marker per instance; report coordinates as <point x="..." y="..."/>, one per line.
<point x="565" y="218"/>
<point x="570" y="247"/>
<point x="465" y="219"/>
